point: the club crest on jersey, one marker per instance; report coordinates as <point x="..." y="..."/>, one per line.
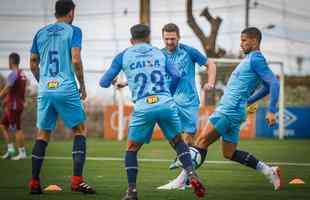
<point x="152" y="99"/>
<point x="53" y="84"/>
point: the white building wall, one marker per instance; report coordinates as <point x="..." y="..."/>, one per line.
<point x="105" y="25"/>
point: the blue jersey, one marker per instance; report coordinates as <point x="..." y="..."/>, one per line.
<point x="147" y="70"/>
<point x="244" y="80"/>
<point x="53" y="44"/>
<point x="184" y="58"/>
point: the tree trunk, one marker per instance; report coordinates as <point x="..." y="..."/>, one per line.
<point x="145" y="12"/>
<point x="208" y="42"/>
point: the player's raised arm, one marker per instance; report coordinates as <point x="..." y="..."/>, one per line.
<point x="77" y="61"/>
<point x="202" y="60"/>
<point x="108" y="77"/>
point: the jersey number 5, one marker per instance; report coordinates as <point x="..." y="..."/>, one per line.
<point x="53" y="63"/>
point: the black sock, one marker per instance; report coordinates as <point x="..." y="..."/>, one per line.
<point x="38" y="153"/>
<point x="184" y="155"/>
<point x="131" y="165"/>
<point x="244" y="158"/>
<point x="78" y="154"/>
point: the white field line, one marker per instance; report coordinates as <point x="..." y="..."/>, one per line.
<point x="170" y="160"/>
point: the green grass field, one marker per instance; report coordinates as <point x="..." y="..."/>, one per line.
<point x="223" y="180"/>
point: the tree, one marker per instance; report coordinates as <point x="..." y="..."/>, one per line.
<point x="208" y="42"/>
<point x="145" y="9"/>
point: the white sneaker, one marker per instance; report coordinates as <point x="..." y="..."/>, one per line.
<point x="8" y="155"/>
<point x="275" y="177"/>
<point x="19" y="157"/>
<point x="173" y="185"/>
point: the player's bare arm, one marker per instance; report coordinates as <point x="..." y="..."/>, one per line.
<point x="211" y="73"/>
<point x="5" y="91"/>
<point x="78" y="65"/>
<point x="34" y="66"/>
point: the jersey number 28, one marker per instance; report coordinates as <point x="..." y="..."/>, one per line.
<point x="156" y="78"/>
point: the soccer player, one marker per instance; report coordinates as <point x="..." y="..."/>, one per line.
<point x="186" y="96"/>
<point x="13" y="94"/>
<point x="146" y="69"/>
<point x="57" y="48"/>
<point x="251" y="73"/>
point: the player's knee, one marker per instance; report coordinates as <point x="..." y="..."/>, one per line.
<point x="79" y="130"/>
<point x="188" y="138"/>
<point x="133" y="146"/>
<point x="43" y="135"/>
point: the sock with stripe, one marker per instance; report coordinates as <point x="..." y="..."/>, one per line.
<point x="38" y="153"/>
<point x="184" y="156"/>
<point x="245" y="158"/>
<point x="131" y="166"/>
<point x="78" y="154"/>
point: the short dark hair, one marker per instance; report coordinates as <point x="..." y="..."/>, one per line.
<point x="63" y="7"/>
<point x="253" y="32"/>
<point x="14" y="58"/>
<point x="140" y="31"/>
<point x="171" y="27"/>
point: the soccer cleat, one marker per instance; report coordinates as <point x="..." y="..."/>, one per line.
<point x="19" y="157"/>
<point x="173" y="185"/>
<point x="83" y="188"/>
<point x="131" y="195"/>
<point x="197" y="185"/>
<point x="35" y="187"/>
<point x="275" y="177"/>
<point x="78" y="185"/>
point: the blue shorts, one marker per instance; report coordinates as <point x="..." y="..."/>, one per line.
<point x="144" y="118"/>
<point x="228" y="130"/>
<point x="68" y="107"/>
<point x="189" y="118"/>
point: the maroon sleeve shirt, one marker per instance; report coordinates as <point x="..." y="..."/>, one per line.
<point x="16" y="98"/>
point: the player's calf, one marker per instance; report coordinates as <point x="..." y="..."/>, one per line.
<point x="184" y="156"/>
<point x="38" y="154"/>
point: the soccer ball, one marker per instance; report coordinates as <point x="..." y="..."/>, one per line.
<point x="196" y="159"/>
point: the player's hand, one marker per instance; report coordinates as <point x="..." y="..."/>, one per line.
<point x="208" y="86"/>
<point x="83" y="94"/>
<point x="270" y="119"/>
